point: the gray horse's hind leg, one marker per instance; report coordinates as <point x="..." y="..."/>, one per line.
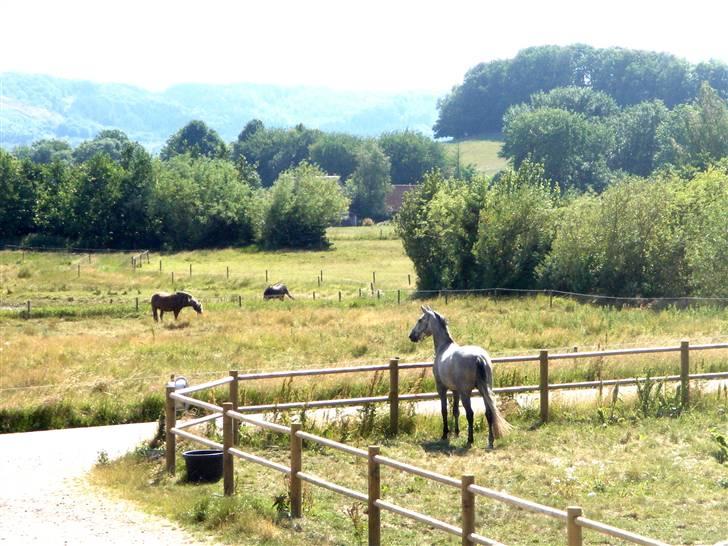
<point x="442" y="391"/>
<point x="456" y="411"/>
<point x="489" y="417"/>
<point x="154" y="314"/>
<point x="469" y="414"/>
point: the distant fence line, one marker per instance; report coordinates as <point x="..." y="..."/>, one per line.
<point x="26" y="307"/>
<point x="231" y="411"/>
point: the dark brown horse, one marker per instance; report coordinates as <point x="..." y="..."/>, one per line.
<point x="163" y="301"/>
<point x="276" y="291"/>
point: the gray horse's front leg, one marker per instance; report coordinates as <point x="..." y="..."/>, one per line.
<point x="456" y="411"/>
<point x="469" y="414"/>
<point x="443" y="406"/>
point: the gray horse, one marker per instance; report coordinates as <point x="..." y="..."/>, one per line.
<point x="162" y="301"/>
<point x="460" y="369"/>
<point x="276" y="291"/>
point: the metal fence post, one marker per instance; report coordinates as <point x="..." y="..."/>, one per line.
<point x="228" y="463"/>
<point x="685" y="372"/>
<point x="234" y="399"/>
<point x="468" y="507"/>
<point x="374" y="492"/>
<point x="543" y="358"/>
<point x="573" y="531"/>
<point x="394" y="395"/>
<point x="170" y="422"/>
<point x="296" y="465"/>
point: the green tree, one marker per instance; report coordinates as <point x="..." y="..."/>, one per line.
<point x="635" y="136"/>
<point x="17" y="189"/>
<point x="694" y="135"/>
<point x="45" y="151"/>
<point x="572" y="149"/>
<point x="412" y="154"/>
<point x="110" y="142"/>
<point x="515" y="229"/>
<point x="336" y="153"/>
<point x="197" y="140"/>
<point x="438" y="226"/>
<point x="579" y="100"/>
<point x="273" y="151"/>
<point x="203" y="202"/>
<point x="370" y="184"/>
<point x="302" y="203"/>
<point x="96" y="199"/>
<point x="55" y="214"/>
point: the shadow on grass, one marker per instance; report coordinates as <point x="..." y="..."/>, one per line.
<point x="444" y="446"/>
<point x="177" y="325"/>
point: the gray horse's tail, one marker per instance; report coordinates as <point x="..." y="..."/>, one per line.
<point x="501" y="427"/>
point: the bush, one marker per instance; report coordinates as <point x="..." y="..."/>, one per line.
<point x="302" y="204"/>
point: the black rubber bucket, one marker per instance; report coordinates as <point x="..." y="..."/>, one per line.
<point x="203" y="465"/>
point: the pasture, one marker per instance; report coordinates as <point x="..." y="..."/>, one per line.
<point x="481" y="153"/>
<point x="86" y="355"/>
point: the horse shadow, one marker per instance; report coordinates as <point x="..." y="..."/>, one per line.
<point x="446" y="448"/>
<point x="176" y="325"/>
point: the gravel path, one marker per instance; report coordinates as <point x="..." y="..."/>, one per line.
<point x="45" y="499"/>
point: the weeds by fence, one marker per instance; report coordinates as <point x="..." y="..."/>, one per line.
<point x="231" y="412"/>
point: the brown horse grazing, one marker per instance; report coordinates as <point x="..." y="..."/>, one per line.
<point x="163" y="301"/>
<point x="277" y="291"/>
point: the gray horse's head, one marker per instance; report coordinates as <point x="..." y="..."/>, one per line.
<point x="426" y="323"/>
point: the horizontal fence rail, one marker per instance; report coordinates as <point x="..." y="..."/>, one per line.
<point x="230" y="412"/>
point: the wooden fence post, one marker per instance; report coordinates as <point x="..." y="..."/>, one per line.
<point x="468" y="507"/>
<point x="160" y="266"/>
<point x="314" y="295"/>
<point x="394" y="395"/>
<point x="136" y="303"/>
<point x="170" y="422"/>
<point x="322" y="275"/>
<point x="190" y="270"/>
<point x="79" y="270"/>
<point x="551" y="299"/>
<point x="227" y="271"/>
<point x="374" y="277"/>
<point x="374" y="491"/>
<point x="266" y="275"/>
<point x="573" y="531"/>
<point x="398" y="296"/>
<point x="240" y="300"/>
<point x="172" y="278"/>
<point x="543" y="358"/>
<point x="89" y="258"/>
<point x="28" y="312"/>
<point x="360" y="292"/>
<point x="409" y="280"/>
<point x="685" y="372"/>
<point x="296" y="465"/>
<point x="339" y="296"/>
<point x="445" y="297"/>
<point x="235" y="400"/>
<point x="228" y="463"/>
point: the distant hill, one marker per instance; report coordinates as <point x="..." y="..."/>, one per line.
<point x="36" y="106"/>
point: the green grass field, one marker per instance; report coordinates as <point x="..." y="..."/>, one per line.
<point x="87" y="356"/>
<point x="481" y="153"/>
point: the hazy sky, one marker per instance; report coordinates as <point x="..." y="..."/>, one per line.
<point x="371" y="44"/>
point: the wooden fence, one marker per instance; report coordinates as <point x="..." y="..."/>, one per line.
<point x="231" y="412"/>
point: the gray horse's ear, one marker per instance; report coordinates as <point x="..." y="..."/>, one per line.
<point x="425" y="309"/>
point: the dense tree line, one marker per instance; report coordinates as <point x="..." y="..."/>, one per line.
<point x="584" y="140"/>
<point x="659" y="236"/>
<point x="270" y="186"/>
<point x="629" y="77"/>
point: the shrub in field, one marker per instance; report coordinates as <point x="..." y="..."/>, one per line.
<point x="301" y="205"/>
<point x="515" y="228"/>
